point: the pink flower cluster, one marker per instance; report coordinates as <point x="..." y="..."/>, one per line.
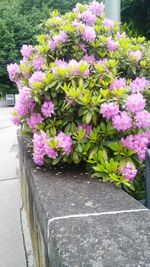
<point x="142" y="119"/>
<point x="90" y="59"/>
<point x="64" y="142"/>
<point x="88" y="18"/>
<point x="96" y="8"/>
<point x="38" y="63"/>
<point x="34" y="120"/>
<point x="27" y="51"/>
<point x="13" y="71"/>
<point x="41" y="146"/>
<point x="24" y="103"/>
<point x="57" y="40"/>
<point x="109" y="110"/>
<point x="122" y="121"/>
<point x="128" y="172"/>
<point x="117" y="84"/>
<point x="88" y="34"/>
<point x="139" y="84"/>
<point x="138" y="143"/>
<point x="135" y="55"/>
<point x="108" y="23"/>
<point x="15" y="119"/>
<point x="39" y="140"/>
<point x="37" y="76"/>
<point x="135" y="102"/>
<point x="111" y="45"/>
<point x="47" y="108"/>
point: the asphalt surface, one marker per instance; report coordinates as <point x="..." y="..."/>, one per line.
<point x="13" y="230"/>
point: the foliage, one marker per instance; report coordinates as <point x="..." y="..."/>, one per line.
<point x="83" y="91"/>
<point x="136" y="15"/>
<point x="15" y="30"/>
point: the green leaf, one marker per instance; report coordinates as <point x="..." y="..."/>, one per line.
<point x="88" y="117"/>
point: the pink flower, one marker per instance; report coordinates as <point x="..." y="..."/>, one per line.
<point x="34" y="120"/>
<point x="85" y="127"/>
<point x="38" y="63"/>
<point x="142" y="119"/>
<point x="88" y="18"/>
<point x="75" y="68"/>
<point x="83" y="47"/>
<point x="111" y="45"/>
<point x="13" y="71"/>
<point x="88" y="34"/>
<point x="15" y="119"/>
<point x="90" y="59"/>
<point x="109" y="110"/>
<point x="138" y="143"/>
<point x="128" y="172"/>
<point x="97" y="8"/>
<point x="117" y="84"/>
<point x="27" y="50"/>
<point x="61" y="38"/>
<point x="37" y="76"/>
<point x="24" y="103"/>
<point x="135" y="55"/>
<point x="50" y="152"/>
<point x="121" y="35"/>
<point x="108" y="23"/>
<point x="135" y="103"/>
<point x="139" y="84"/>
<point x="47" y="108"/>
<point x="122" y="121"/>
<point x="39" y="147"/>
<point x="64" y="142"/>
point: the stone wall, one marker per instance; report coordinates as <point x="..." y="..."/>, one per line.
<point x="76" y="221"/>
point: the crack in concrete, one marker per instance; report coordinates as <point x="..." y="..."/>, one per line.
<point x="23" y="238"/>
<point x="9" y="179"/>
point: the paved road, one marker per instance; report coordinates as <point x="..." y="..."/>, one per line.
<point x="12" y="247"/>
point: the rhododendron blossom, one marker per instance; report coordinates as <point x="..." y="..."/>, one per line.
<point x="109" y="110"/>
<point x="128" y="172"/>
<point x="137" y="143"/>
<point x="108" y="23"/>
<point x="27" y="51"/>
<point x="64" y="142"/>
<point x="47" y="108"/>
<point x="88" y="34"/>
<point x="111" y="45"/>
<point x="13" y="71"/>
<point x="122" y="121"/>
<point x="117" y="84"/>
<point x="38" y="63"/>
<point x="135" y="55"/>
<point x="135" y="102"/>
<point x="139" y="84"/>
<point x="34" y="120"/>
<point x="36" y="77"/>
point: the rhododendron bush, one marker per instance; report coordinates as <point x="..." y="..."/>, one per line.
<point x="83" y="94"/>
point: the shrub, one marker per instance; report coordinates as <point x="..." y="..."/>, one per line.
<point x="83" y="95"/>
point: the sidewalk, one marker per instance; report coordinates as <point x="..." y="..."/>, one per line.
<point x="13" y="250"/>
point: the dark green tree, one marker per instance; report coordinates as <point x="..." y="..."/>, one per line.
<point x="136" y="13"/>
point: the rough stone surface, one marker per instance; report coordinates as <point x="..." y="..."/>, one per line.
<point x="120" y="240"/>
<point x="107" y="240"/>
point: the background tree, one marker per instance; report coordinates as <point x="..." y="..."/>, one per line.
<point x="136" y="15"/>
